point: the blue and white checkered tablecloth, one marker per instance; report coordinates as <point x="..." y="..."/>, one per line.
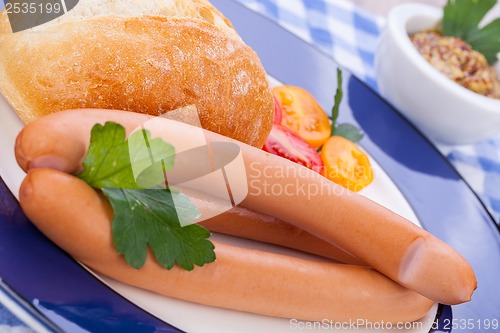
<point x="338" y="27"/>
<point x="350" y="35"/>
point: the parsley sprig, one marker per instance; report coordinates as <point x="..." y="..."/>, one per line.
<point x="144" y="216"/>
<point x="461" y="18"/>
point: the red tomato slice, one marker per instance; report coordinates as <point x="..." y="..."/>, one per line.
<point x="285" y="143"/>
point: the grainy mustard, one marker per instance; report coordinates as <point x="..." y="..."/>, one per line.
<point x="458" y="61"/>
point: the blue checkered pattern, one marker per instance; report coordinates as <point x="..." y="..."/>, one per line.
<point x="480" y="165"/>
<point x="336" y="26"/>
<point x="350" y="35"/>
<point x="10" y="324"/>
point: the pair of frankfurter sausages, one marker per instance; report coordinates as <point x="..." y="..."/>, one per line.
<point x="340" y="225"/>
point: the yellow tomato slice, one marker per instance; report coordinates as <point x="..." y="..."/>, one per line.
<point x="303" y="115"/>
<point x="346" y="164"/>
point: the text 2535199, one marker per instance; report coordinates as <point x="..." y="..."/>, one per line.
<point x="33" y="8"/>
<point x="457" y="324"/>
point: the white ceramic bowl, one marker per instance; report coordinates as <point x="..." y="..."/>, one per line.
<point x="441" y="108"/>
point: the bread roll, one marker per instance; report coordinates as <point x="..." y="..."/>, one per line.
<point x="143" y="56"/>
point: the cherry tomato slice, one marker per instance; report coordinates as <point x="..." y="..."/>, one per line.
<point x="285" y="143"/>
<point x="278" y="112"/>
<point x="346" y="164"/>
<point x="303" y="115"/>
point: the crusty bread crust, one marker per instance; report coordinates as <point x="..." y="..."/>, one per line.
<point x="144" y="64"/>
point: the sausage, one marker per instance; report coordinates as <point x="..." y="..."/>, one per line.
<point x="41" y="144"/>
<point x="78" y="219"/>
<point x="382" y="239"/>
<point x="377" y="236"/>
<point x="244" y="223"/>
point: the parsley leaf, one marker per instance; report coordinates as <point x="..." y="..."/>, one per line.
<point x="111" y="159"/>
<point x="461" y="19"/>
<point x="129" y="173"/>
<point x="348" y="131"/>
<point x="339" y="94"/>
<point x="107" y="163"/>
<point x="148" y="217"/>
